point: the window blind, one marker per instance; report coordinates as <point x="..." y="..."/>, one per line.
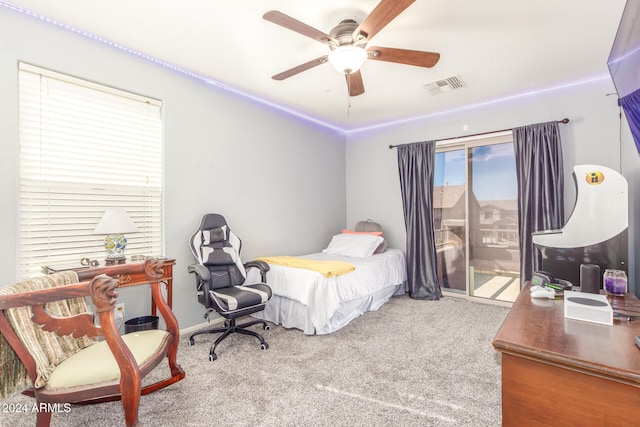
<point x="84" y="148"/>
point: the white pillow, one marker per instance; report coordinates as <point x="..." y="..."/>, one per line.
<point x="353" y="245"/>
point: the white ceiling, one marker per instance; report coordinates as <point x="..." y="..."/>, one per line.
<point x="499" y="48"/>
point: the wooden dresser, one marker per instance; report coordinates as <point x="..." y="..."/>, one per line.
<point x="563" y="372"/>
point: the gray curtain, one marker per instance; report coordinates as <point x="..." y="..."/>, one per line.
<point x="540" y="177"/>
<point x="415" y="165"/>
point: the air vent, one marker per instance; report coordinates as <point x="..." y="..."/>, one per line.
<point x="445" y="85"/>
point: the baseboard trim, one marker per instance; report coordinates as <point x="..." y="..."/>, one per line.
<point x="194" y="328"/>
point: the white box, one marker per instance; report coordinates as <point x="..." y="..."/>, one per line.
<point x="588" y="307"/>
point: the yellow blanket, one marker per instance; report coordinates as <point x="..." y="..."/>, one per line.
<point x="326" y="268"/>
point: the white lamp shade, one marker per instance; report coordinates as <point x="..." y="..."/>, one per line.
<point x="115" y="221"/>
<point x="347" y="59"/>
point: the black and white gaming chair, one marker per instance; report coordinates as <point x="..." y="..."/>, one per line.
<point x="220" y="278"/>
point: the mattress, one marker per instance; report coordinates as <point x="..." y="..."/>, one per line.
<point x="307" y="300"/>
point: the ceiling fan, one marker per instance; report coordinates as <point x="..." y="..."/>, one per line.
<point x="348" y="44"/>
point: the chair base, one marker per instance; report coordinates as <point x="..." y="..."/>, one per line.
<point x="230" y="328"/>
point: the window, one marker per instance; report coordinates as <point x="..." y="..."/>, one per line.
<point x="476" y="217"/>
<point x="84" y="148"/>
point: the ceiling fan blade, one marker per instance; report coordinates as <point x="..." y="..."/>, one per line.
<point x="293" y="24"/>
<point x="355" y="84"/>
<point x="403" y="56"/>
<point x="383" y="13"/>
<point x="300" y="68"/>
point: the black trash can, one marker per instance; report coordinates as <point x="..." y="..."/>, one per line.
<point x="143" y="323"/>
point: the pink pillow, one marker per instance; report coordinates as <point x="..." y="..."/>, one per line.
<point x="373" y="233"/>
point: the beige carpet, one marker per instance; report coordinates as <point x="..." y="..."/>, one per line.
<point x="411" y="363"/>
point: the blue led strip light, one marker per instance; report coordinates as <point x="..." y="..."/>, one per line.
<point x="323" y="124"/>
<point x="478" y="105"/>
<point x="167" y="65"/>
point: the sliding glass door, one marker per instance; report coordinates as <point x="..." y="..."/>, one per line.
<point x="476" y="219"/>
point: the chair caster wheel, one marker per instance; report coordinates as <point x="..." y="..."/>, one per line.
<point x="264" y="346"/>
<point x="212" y="357"/>
<point x="266" y="327"/>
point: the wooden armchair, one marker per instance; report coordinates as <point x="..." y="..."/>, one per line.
<point x="45" y="324"/>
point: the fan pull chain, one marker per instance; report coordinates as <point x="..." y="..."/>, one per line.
<point x="348" y="94"/>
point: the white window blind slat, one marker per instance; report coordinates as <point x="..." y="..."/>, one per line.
<point x="84" y="148"/>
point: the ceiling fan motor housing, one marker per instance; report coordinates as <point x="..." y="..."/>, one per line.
<point x="343" y="32"/>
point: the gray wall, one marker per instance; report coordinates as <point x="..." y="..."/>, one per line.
<point x="595" y="135"/>
<point x="284" y="185"/>
<point x="280" y="182"/>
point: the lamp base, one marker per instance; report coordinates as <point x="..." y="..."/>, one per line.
<point x="115" y="260"/>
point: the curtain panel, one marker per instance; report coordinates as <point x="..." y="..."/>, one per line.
<point x="540" y="175"/>
<point x="631" y="106"/>
<point x="415" y="166"/>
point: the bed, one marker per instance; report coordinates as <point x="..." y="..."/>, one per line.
<point x="307" y="300"/>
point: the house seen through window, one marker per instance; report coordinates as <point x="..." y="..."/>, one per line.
<point x="476" y="218"/>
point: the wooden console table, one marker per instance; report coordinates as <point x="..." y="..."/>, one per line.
<point x="564" y="372"/>
<point x="132" y="280"/>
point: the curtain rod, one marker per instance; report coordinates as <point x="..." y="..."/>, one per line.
<point x="563" y="121"/>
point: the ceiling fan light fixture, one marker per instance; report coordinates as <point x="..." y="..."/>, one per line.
<point x="347" y="59"/>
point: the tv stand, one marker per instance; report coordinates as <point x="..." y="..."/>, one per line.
<point x="565" y="372"/>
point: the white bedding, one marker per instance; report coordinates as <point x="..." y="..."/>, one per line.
<point x="374" y="281"/>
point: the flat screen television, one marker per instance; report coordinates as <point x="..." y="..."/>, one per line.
<point x="624" y="66"/>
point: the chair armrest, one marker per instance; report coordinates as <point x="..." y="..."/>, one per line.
<point x="201" y="271"/>
<point x="261" y="265"/>
<point x="102" y="290"/>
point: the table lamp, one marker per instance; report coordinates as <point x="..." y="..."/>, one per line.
<point x="114" y="223"/>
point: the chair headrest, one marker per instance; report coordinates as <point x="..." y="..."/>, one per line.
<point x="214" y="235"/>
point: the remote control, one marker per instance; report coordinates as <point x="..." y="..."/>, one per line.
<point x="638" y="340"/>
